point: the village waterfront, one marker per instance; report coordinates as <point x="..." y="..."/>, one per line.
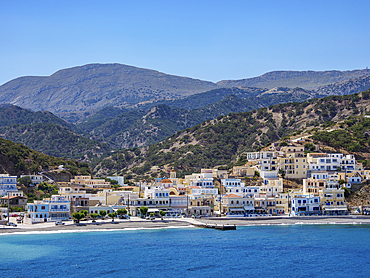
<point x="298" y="250"/>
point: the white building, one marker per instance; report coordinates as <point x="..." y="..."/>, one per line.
<point x="119" y="179"/>
<point x="305" y="204"/>
<point x="35" y="179"/>
<point x="204" y="182"/>
<point x="261" y="155"/>
<point x="55" y="209"/>
<point x="232" y="183"/>
<point x="7" y="184"/>
<point x="197" y="190"/>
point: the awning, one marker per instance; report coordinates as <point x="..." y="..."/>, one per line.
<point x="236" y="209"/>
<point x="153" y="210"/>
<point x="334" y="209"/>
<point x="249" y="208"/>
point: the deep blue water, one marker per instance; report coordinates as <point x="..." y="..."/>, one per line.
<point x="259" y="251"/>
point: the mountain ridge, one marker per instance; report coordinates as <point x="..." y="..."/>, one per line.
<point x="304" y="79"/>
<point x="94" y="86"/>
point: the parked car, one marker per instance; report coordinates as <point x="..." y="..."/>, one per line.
<point x="11" y="224"/>
<point x="59" y="223"/>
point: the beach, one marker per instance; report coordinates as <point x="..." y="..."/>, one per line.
<point x="138" y="223"/>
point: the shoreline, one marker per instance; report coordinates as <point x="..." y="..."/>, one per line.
<point x="140" y="224"/>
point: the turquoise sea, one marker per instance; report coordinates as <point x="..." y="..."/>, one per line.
<point x="256" y="251"/>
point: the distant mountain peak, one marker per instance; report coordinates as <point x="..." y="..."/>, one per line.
<point x="304" y="79"/>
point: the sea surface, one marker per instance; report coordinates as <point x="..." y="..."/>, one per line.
<point x="255" y="251"/>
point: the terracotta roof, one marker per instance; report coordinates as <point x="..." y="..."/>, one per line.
<point x="232" y="196"/>
<point x="194" y="187"/>
<point x="13" y="197"/>
<point x="166" y="181"/>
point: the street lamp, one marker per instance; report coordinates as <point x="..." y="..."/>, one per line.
<point x="8" y="208"/>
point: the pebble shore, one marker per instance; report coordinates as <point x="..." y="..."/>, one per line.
<point x="138" y="223"/>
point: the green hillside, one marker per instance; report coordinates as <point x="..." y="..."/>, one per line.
<point x="11" y="114"/>
<point x="55" y="140"/>
<point x="141" y="128"/>
<point x="352" y="135"/>
<point x="17" y="159"/>
<point x="222" y="141"/>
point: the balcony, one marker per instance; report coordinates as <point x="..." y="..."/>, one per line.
<point x="58" y="209"/>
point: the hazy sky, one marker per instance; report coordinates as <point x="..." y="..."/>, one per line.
<point x="208" y="40"/>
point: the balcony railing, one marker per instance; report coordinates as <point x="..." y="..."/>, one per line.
<point x="59" y="209"/>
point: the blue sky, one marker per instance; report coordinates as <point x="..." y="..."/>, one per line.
<point x="208" y="40"/>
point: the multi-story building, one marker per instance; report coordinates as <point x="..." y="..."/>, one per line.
<point x="321" y="163"/>
<point x="312" y="185"/>
<point x="333" y="202"/>
<point x="35" y="179"/>
<point x="293" y="162"/>
<point x="261" y="155"/>
<point x="197" y="190"/>
<point x="282" y="203"/>
<point x="305" y="204"/>
<point x="89" y="182"/>
<point x="178" y="204"/>
<point x="7" y="184"/>
<point x="233" y="204"/>
<point x="272" y="185"/>
<point x="271" y="205"/>
<point x="348" y="163"/>
<point x="135" y="203"/>
<point x="232" y="183"/>
<point x="260" y="203"/>
<point x="55" y="209"/>
<point x="200" y="205"/>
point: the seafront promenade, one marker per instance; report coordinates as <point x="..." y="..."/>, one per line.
<point x="137" y="223"/>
